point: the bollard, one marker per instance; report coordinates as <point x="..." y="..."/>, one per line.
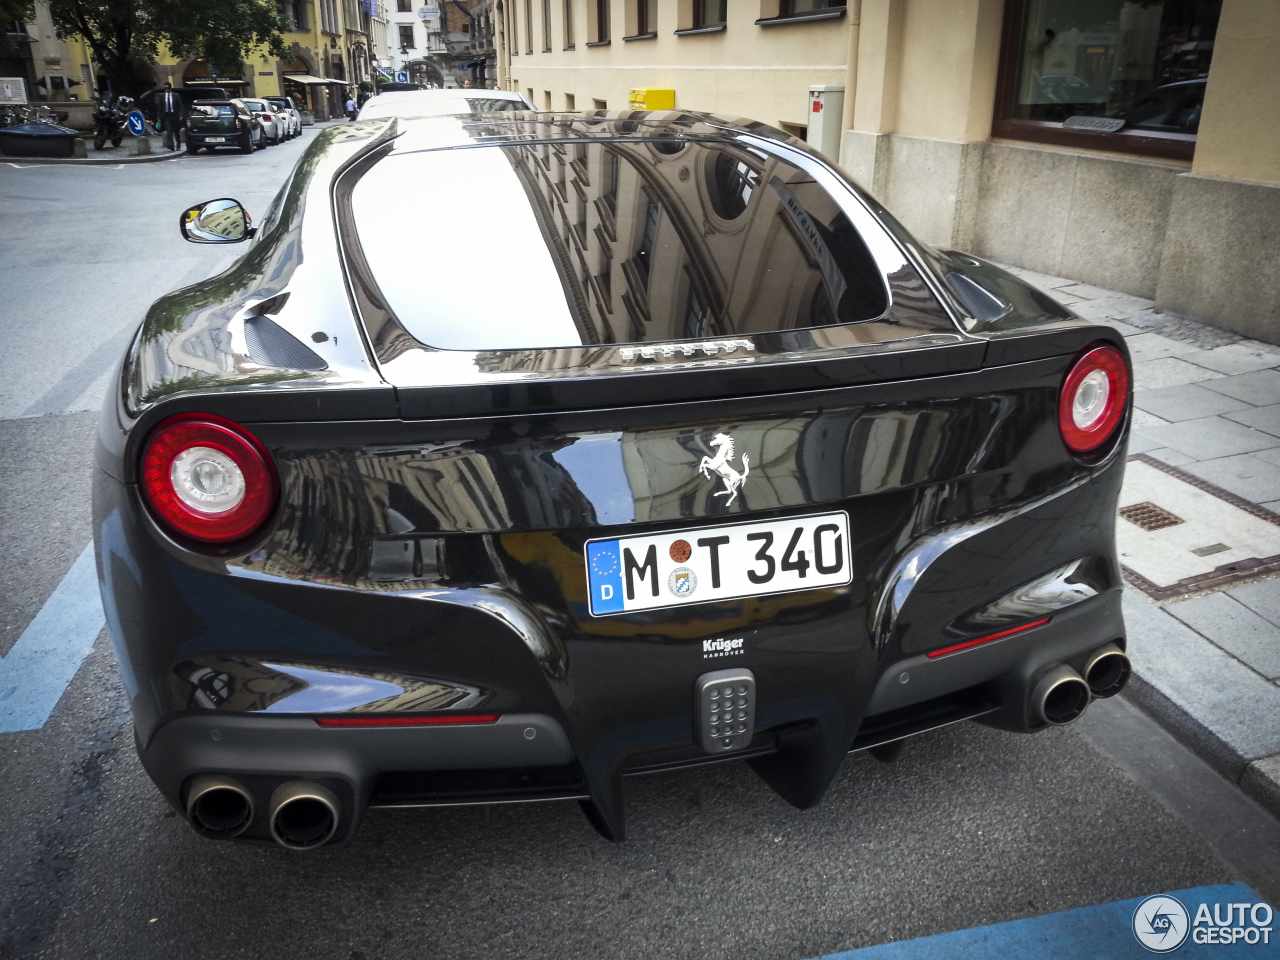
<point x="78" y="149"/>
<point x="141" y="146"/>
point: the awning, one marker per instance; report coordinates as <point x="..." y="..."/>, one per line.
<point x="214" y="82"/>
<point x="470" y="63"/>
<point x="307" y="80"/>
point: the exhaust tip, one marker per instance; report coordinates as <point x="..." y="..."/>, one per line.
<point x="304" y="815"/>
<point x="1060" y="697"/>
<point x="1107" y="671"/>
<point x="218" y="807"/>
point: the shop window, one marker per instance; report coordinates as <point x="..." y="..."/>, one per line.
<point x="1124" y="75"/>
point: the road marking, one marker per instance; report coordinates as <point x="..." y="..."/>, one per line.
<point x="1105" y="930"/>
<point x="36" y="672"/>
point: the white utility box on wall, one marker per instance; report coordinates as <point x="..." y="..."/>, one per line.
<point x="826" y="108"/>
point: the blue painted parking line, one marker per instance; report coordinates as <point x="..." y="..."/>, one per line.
<point x="1226" y="921"/>
<point x="38" y="668"/>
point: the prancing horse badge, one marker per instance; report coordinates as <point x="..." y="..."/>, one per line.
<point x="719" y="464"/>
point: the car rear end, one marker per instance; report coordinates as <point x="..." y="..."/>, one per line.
<point x="703" y="459"/>
<point x="216" y="123"/>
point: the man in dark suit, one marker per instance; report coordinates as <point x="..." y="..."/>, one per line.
<point x="169" y="113"/>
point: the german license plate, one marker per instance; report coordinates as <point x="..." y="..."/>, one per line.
<point x="215" y="139"/>
<point x="708" y="564"/>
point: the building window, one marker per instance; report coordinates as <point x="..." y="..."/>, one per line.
<point x="733" y="181"/>
<point x="708" y="13"/>
<point x="695" y="317"/>
<point x="546" y="26"/>
<point x="295" y="14"/>
<point x="528" y="26"/>
<point x="1123" y="75"/>
<point x="598" y="24"/>
<point x="406" y="36"/>
<point x="404" y="6"/>
<point x="649" y="239"/>
<point x="791" y="8"/>
<point x="568" y="24"/>
<point x="646" y="18"/>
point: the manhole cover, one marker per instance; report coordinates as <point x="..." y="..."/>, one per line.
<point x="1149" y="517"/>
<point x="1184" y="535"/>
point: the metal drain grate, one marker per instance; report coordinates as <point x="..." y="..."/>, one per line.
<point x="1149" y="517"/>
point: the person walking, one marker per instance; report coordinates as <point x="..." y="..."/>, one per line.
<point x="351" y="108"/>
<point x="170" y="114"/>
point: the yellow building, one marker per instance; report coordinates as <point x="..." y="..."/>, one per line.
<point x="1131" y="145"/>
<point x="334" y="45"/>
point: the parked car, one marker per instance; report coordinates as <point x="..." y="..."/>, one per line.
<point x="272" y="131"/>
<point x="727" y="466"/>
<point x="1172" y="108"/>
<point x="222" y="123"/>
<point x="290" y="109"/>
<point x="434" y="103"/>
<point x="148" y="102"/>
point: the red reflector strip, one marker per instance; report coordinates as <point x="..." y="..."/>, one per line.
<point x="406" y="721"/>
<point x="987" y="639"/>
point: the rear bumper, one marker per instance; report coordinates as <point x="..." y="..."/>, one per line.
<point x="604" y="697"/>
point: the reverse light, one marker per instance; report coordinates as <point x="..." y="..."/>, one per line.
<point x="1093" y="399"/>
<point x="208" y="478"/>
<point x="367" y="721"/>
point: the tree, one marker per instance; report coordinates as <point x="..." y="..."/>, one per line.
<point x="122" y="32"/>
<point x="11" y="10"/>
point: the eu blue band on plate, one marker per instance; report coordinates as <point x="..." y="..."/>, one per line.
<point x="604" y="573"/>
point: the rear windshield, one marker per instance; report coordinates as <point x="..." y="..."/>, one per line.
<point x="256" y="107"/>
<point x="213" y="109"/>
<point x="442" y="107"/>
<point x="566" y="244"/>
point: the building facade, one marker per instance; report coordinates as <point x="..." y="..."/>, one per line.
<point x="1131" y="144"/>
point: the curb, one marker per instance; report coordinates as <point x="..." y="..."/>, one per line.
<point x="92" y="161"/>
<point x="1258" y="779"/>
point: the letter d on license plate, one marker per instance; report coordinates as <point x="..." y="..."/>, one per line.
<point x="727" y="562"/>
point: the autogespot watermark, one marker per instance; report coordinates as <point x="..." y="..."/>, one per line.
<point x="1162" y="924"/>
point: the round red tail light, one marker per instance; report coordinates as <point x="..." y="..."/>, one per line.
<point x="1093" y="399"/>
<point x="208" y="478"/>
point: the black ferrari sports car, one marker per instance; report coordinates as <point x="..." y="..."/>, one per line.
<point x="684" y="452"/>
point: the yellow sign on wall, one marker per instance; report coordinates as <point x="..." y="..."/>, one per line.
<point x="653" y="98"/>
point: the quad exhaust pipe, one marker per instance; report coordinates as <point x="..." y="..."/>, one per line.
<point x="1107" y="671"/>
<point x="1060" y="697"/>
<point x="219" y="807"/>
<point x="303" y="815"/>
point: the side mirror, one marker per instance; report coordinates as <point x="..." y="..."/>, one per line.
<point x="216" y="221"/>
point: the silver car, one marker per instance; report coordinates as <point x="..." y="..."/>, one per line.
<point x="272" y="128"/>
<point x="292" y="116"/>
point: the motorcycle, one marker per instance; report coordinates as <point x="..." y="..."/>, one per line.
<point x="109" y="119"/>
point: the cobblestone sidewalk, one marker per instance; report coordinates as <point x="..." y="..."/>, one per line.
<point x="1207" y="402"/>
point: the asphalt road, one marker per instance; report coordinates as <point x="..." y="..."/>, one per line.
<point x="970" y="827"/>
